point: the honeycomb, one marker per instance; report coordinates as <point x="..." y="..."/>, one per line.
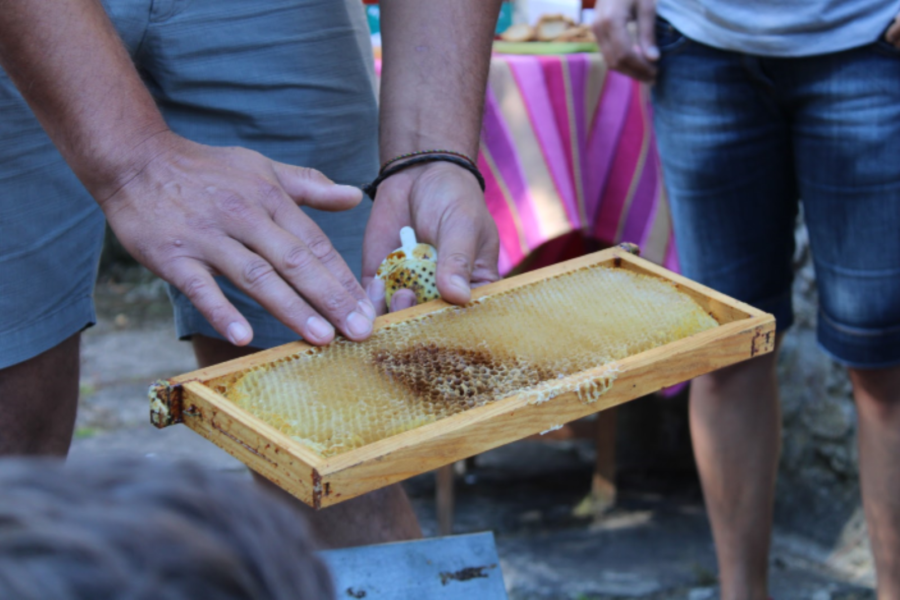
<point x="413" y="267"/>
<point x="420" y="276"/>
<point x="537" y="339"/>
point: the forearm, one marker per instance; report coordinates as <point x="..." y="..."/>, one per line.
<point x="436" y="59"/>
<point x="71" y="67"/>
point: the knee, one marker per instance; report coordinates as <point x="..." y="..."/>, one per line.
<point x="877" y="392"/>
<point x="748" y="375"/>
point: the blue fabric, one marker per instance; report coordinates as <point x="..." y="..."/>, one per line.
<point x="742" y="138"/>
<point x="51" y="233"/>
<point x="292" y="79"/>
<point x="781" y="27"/>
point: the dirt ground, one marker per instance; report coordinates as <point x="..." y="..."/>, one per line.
<point x="655" y="544"/>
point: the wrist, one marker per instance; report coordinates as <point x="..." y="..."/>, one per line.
<point x="433" y="161"/>
<point x="401" y="142"/>
<point x="114" y="170"/>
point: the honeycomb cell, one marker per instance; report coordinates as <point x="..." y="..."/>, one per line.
<point x="535" y="339"/>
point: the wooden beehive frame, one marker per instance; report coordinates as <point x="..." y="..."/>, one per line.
<point x="743" y="332"/>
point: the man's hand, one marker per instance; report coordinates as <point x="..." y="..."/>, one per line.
<point x="184" y="210"/>
<point x="436" y="59"/>
<point x="194" y="211"/>
<point x="444" y="205"/>
<point x="620" y="50"/>
<point x="893" y="32"/>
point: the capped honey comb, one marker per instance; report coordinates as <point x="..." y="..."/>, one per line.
<point x="535" y="339"/>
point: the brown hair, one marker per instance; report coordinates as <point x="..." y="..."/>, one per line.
<point x="145" y="529"/>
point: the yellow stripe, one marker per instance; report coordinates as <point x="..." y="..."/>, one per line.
<point x="573" y="143"/>
<point x="658" y="239"/>
<point x="593" y="89"/>
<point x="636" y="177"/>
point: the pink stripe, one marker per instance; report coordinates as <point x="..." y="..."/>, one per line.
<point x="504" y="263"/>
<point x="622" y="171"/>
<point x="495" y="135"/>
<point x="530" y="79"/>
<point x="606" y="129"/>
<point x="499" y="209"/>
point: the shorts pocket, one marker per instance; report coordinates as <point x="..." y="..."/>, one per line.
<point x="882" y="46"/>
<point x="668" y="39"/>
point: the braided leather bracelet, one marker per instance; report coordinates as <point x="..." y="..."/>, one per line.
<point x="466" y="164"/>
<point x="423" y="152"/>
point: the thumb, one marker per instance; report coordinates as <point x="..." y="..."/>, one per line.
<point x="309" y="187"/>
<point x="456" y="255"/>
<point x="893" y="32"/>
<point x="646" y="29"/>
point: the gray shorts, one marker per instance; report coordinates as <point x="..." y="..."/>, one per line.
<point x="292" y="79"/>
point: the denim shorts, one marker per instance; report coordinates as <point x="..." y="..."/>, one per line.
<point x="743" y="138"/>
<point x="292" y="79"/>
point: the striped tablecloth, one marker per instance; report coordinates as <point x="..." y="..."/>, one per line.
<point x="568" y="150"/>
<point x="570" y="162"/>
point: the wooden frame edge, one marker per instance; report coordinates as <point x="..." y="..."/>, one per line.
<point x="261" y="447"/>
<point x="694" y="288"/>
<point x="463" y="419"/>
<point x="745" y="339"/>
<point x="318" y="481"/>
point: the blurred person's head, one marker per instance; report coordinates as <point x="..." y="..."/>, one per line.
<point x="146" y="530"/>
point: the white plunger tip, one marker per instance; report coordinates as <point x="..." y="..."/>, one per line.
<point x="408" y="240"/>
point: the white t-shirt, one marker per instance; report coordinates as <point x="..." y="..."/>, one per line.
<point x="781" y="27"/>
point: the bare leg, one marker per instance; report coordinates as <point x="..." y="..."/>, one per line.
<point x="38" y="402"/>
<point x="877" y="393"/>
<point x="381" y="516"/>
<point x="736" y="428"/>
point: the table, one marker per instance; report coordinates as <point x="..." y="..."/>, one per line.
<point x="570" y="161"/>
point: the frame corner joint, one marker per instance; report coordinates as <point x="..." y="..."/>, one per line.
<point x="166" y="407"/>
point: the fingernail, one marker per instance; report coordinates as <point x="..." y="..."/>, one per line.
<point x="459" y="283"/>
<point x="652" y="53"/>
<point x="367" y="309"/>
<point x="358" y="324"/>
<point x="319" y="328"/>
<point x="238" y="333"/>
